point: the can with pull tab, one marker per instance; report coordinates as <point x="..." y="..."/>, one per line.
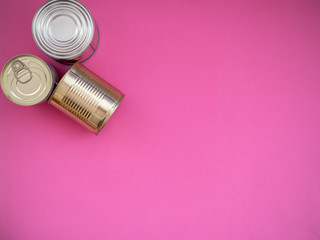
<point x="27" y="80"/>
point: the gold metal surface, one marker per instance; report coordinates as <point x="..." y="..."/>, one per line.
<point x="27" y="80"/>
<point x="86" y="97"/>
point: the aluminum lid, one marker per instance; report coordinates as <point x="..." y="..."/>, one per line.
<point x="63" y="29"/>
<point x="26" y="80"/>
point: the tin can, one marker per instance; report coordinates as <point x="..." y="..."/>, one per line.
<point x="65" y="31"/>
<point x="27" y="80"/>
<point x="86" y="97"/>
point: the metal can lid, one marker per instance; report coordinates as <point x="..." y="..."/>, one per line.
<point x="63" y="29"/>
<point x="26" y="80"/>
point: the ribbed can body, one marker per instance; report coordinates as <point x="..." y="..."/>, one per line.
<point x="86" y="97"/>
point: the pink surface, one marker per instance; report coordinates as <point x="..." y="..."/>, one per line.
<point x="217" y="137"/>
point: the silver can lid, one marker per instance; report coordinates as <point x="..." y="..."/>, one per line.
<point x="26" y="80"/>
<point x="63" y="29"/>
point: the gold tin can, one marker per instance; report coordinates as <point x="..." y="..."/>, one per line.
<point x="27" y="80"/>
<point x="86" y="97"/>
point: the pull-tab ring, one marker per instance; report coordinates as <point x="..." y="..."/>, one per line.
<point x="18" y="67"/>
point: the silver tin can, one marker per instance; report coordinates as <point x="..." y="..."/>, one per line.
<point x="86" y="97"/>
<point x="65" y="31"/>
<point x="27" y="80"/>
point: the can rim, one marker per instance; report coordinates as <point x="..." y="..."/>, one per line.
<point x="106" y="119"/>
<point x="2" y="77"/>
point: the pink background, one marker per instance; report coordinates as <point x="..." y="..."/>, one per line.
<point x="217" y="138"/>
